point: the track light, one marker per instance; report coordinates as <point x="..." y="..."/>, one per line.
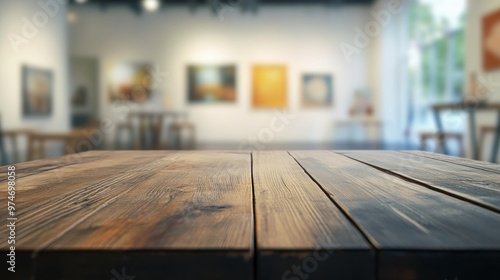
<point x="150" y="5"/>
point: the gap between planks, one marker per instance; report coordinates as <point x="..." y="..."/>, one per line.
<point x="424" y="184"/>
<point x="480" y="165"/>
<point x="254" y="221"/>
<point x="346" y="214"/>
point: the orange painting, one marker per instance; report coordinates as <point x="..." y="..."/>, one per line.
<point x="269" y="86"/>
<point x="491" y="41"/>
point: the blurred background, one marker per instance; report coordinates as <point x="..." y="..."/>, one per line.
<point x="83" y="75"/>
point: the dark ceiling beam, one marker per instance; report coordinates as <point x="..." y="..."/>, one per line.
<point x="103" y="4"/>
<point x="250" y="6"/>
<point x="335" y="3"/>
<point x="244" y="5"/>
<point x="192" y="4"/>
<point x="136" y="6"/>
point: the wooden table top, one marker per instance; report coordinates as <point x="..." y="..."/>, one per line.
<point x="467" y="106"/>
<point x="255" y="215"/>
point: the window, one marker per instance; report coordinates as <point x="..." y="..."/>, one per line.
<point x="435" y="58"/>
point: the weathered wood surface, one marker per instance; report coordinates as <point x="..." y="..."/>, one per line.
<point x="37" y="166"/>
<point x="50" y="203"/>
<point x="260" y="215"/>
<point x="294" y="218"/>
<point x="483" y="165"/>
<point x="471" y="184"/>
<point x="154" y="202"/>
<point x="400" y="217"/>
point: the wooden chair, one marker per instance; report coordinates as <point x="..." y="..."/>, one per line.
<point x="151" y="126"/>
<point x="37" y="143"/>
<point x="440" y="138"/>
<point x="482" y="136"/>
<point x="13" y="138"/>
<point x="177" y="129"/>
<point x="128" y="128"/>
<point x="3" y="154"/>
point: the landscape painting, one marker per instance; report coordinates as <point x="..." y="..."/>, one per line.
<point x="129" y="81"/>
<point x="211" y="83"/>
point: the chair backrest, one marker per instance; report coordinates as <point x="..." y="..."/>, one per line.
<point x="3" y="154"/>
<point x="37" y="143"/>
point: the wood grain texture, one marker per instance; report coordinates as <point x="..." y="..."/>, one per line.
<point x="396" y="214"/>
<point x="260" y="215"/>
<point x="198" y="207"/>
<point x="294" y="218"/>
<point x="474" y="185"/>
<point x="29" y="168"/>
<point x="482" y="165"/>
<point x="403" y="220"/>
<point x="207" y="193"/>
<point x="49" y="203"/>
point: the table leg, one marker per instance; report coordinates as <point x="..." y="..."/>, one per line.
<point x="439" y="124"/>
<point x="473" y="136"/>
<point x="496" y="142"/>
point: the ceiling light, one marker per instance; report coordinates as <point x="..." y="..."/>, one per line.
<point x="150" y="5"/>
<point x="80" y="1"/>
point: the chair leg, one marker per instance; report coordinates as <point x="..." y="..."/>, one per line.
<point x="462" y="147"/>
<point x="438" y="142"/>
<point x="423" y="141"/>
<point x="481" y="142"/>
<point x="31" y="148"/>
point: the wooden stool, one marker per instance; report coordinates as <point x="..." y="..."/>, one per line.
<point x="440" y="138"/>
<point x="177" y="129"/>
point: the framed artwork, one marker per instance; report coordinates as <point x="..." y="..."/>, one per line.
<point x="269" y="86"/>
<point x="37" y="91"/>
<point x="129" y="81"/>
<point x="211" y="83"/>
<point x="317" y="90"/>
<point x="491" y="41"/>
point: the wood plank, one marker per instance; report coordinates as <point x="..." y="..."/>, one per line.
<point x="473" y="185"/>
<point x="297" y="225"/>
<point x="407" y="220"/>
<point x="198" y="208"/>
<point x="46" y="205"/>
<point x="483" y="165"/>
<point x="29" y="168"/>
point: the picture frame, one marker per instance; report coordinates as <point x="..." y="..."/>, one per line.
<point x="37" y="86"/>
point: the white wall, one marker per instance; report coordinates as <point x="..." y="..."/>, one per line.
<point x="474" y="60"/>
<point x="303" y="37"/>
<point x="387" y="68"/>
<point x="45" y="48"/>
